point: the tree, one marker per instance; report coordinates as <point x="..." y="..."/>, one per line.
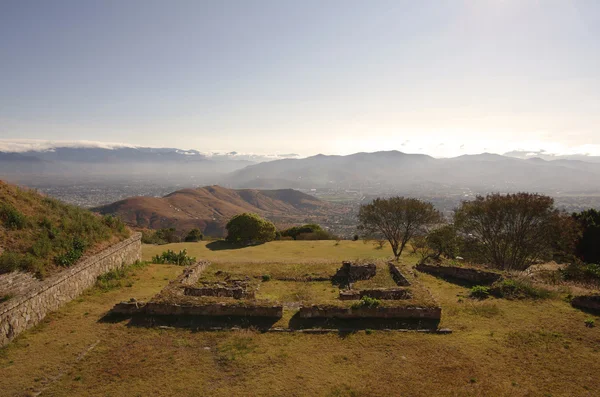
<point x="248" y="227"/>
<point x="588" y="246"/>
<point x="512" y="230"/>
<point x="443" y="241"/>
<point x="194" y="235"/>
<point x="397" y="219"/>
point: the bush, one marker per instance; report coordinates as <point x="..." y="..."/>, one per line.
<point x="111" y="279"/>
<point x="12" y="218"/>
<point x="171" y="257"/>
<point x="443" y="241"/>
<point x="355" y="238"/>
<point x="590" y="323"/>
<point x="316" y="235"/>
<point x="366" y="302"/>
<point x="519" y="288"/>
<point x="479" y="292"/>
<point x="248" y="227"/>
<point x="71" y="256"/>
<point x="266" y="277"/>
<point x="13" y="261"/>
<point x="579" y="271"/>
<point x="194" y="236"/>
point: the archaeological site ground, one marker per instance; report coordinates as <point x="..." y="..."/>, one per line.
<point x="289" y="318"/>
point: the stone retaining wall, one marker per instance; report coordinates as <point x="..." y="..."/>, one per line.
<point x="25" y="311"/>
<point x="237" y="292"/>
<point x="473" y="276"/>
<point x="398" y="277"/>
<point x="214" y="309"/>
<point x="377" y="293"/>
<point x="431" y="313"/>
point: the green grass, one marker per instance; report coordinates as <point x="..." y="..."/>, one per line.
<point x="499" y="347"/>
<point x="276" y="252"/>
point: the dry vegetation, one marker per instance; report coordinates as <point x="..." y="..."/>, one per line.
<point x="498" y="348"/>
<point x="42" y="235"/>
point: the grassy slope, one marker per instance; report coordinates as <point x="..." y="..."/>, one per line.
<point x="498" y="348"/>
<point x="46" y="228"/>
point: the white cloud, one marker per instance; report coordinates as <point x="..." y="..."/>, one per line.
<point x="39" y="145"/>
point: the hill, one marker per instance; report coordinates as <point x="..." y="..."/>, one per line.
<point x="43" y="235"/>
<point x="417" y="173"/>
<point x="210" y="207"/>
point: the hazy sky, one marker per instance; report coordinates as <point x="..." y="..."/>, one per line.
<point x="336" y="77"/>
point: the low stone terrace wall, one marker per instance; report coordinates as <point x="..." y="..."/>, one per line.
<point x="473" y="276"/>
<point x="25" y="311"/>
<point x="398" y="277"/>
<point x="213" y="309"/>
<point x="377" y="293"/>
<point x="431" y="313"/>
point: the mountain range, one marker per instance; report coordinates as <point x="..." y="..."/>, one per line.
<point x="379" y="171"/>
<point x="422" y="173"/>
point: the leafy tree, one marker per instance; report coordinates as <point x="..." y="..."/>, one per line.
<point x="248" y="227"/>
<point x="397" y="219"/>
<point x="512" y="231"/>
<point x="443" y="241"/>
<point x="588" y="246"/>
<point x="194" y="235"/>
<point x="295" y="231"/>
<point x="169" y="235"/>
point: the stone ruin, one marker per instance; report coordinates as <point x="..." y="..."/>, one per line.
<point x="377" y="293"/>
<point x="350" y="272"/>
<point x="231" y="288"/>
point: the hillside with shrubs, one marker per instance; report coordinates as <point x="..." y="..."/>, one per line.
<point x="41" y="235"/>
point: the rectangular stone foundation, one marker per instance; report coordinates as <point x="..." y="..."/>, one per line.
<point x="431" y="313"/>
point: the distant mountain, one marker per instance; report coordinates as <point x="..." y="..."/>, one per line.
<point x="81" y="163"/>
<point x="322" y="171"/>
<point x="417" y="173"/>
<point x="209" y="208"/>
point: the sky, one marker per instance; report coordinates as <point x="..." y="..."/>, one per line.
<point x="336" y="77"/>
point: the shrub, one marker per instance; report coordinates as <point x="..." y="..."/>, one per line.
<point x="248" y="227"/>
<point x="519" y="288"/>
<point x="13" y="261"/>
<point x="443" y="241"/>
<point x="111" y="279"/>
<point x="309" y="228"/>
<point x="579" y="271"/>
<point x="12" y="218"/>
<point x="194" y="236"/>
<point x="590" y="323"/>
<point x="479" y="292"/>
<point x="316" y="235"/>
<point x="171" y="257"/>
<point x="366" y="302"/>
<point x="266" y="277"/>
<point x="4" y="298"/>
<point x="71" y="256"/>
<point x="355" y="237"/>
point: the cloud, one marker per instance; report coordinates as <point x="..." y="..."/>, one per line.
<point x="38" y="145"/>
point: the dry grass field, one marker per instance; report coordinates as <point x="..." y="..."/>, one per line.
<point x="497" y="348"/>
